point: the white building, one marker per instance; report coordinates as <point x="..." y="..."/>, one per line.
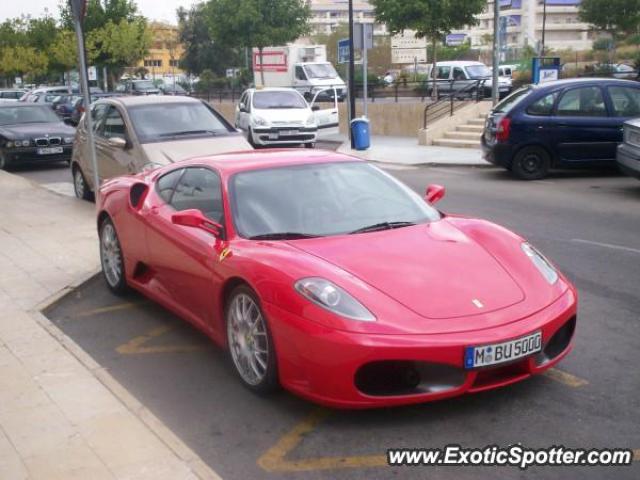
<point x="327" y="15"/>
<point x="524" y="20"/>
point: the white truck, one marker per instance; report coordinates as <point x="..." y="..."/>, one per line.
<point x="303" y="67"/>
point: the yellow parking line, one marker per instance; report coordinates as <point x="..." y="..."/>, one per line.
<point x="565" y="378"/>
<point x="110" y="308"/>
<point x="136" y="346"/>
<point x="274" y="459"/>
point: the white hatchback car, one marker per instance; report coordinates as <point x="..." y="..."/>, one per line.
<point x="276" y="116"/>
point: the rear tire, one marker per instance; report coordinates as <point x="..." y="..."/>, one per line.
<point x="249" y="340"/>
<point x="112" y="258"/>
<point x="531" y="163"/>
<point x="80" y="186"/>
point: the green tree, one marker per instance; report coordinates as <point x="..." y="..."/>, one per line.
<point x="616" y="17"/>
<point x="428" y="18"/>
<point x="23" y="61"/>
<point x="257" y="23"/>
<point x="99" y="12"/>
<point x="201" y="51"/>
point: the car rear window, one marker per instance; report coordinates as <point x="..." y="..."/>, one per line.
<point x="512" y="100"/>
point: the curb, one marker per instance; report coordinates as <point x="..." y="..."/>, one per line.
<point x="197" y="466"/>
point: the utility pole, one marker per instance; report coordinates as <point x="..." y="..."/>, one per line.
<point x="79" y="9"/>
<point x="352" y="74"/>
<point x="544" y="25"/>
<point x="496" y="35"/>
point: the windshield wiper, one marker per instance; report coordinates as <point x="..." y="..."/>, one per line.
<point x="282" y="236"/>
<point x="382" y="226"/>
<point x="188" y="132"/>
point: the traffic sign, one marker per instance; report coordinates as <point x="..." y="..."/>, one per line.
<point x="360" y="37"/>
<point x="343" y="50"/>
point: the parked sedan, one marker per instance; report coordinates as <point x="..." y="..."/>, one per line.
<point x="326" y="275"/>
<point x="566" y="123"/>
<point x="276" y="116"/>
<point x="136" y="133"/>
<point x="11" y="95"/>
<point x="629" y="151"/>
<point x="32" y="134"/>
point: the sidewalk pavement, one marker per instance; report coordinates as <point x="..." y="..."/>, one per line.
<point x="407" y="151"/>
<point x="61" y="415"/>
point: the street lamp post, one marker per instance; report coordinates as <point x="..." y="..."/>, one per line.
<point x="496" y="33"/>
<point x="352" y="73"/>
<point x="544" y="25"/>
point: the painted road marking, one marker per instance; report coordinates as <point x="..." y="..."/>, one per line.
<point x="565" y="378"/>
<point x="606" y="245"/>
<point x="110" y="308"/>
<point x="138" y="345"/>
<point x="275" y="459"/>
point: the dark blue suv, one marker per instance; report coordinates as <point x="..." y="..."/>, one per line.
<point x="560" y="124"/>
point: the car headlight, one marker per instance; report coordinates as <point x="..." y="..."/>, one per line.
<point x="259" y="121"/>
<point x="68" y="139"/>
<point x="311" y="120"/>
<point x="546" y="269"/>
<point x="25" y="143"/>
<point x="331" y="297"/>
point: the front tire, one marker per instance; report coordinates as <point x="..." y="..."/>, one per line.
<point x="111" y="258"/>
<point x="249" y="339"/>
<point x="310" y="145"/>
<point x="531" y="163"/>
<point x="80" y="186"/>
<point x="250" y="138"/>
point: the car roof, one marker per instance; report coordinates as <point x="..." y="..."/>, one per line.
<point x="130" y="101"/>
<point x="586" y="81"/>
<point x="230" y="163"/>
<point x="23" y="105"/>
<point x="273" y="89"/>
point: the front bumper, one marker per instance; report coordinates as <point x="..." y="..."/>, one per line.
<point x="628" y="159"/>
<point x="30" y="155"/>
<point x="325" y="365"/>
<point x="284" y="135"/>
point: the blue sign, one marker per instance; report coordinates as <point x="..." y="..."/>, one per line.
<point x="343" y="50"/>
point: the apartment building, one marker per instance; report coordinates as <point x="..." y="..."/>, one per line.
<point x="523" y="22"/>
<point x="165" y="51"/>
<point x="327" y="15"/>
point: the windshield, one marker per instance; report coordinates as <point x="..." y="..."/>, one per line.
<point x="320" y="70"/>
<point x="322" y="199"/>
<point x="32" y="114"/>
<point x="168" y="121"/>
<point x="144" y="85"/>
<point x="478" y="71"/>
<point x="512" y="100"/>
<point x="278" y="100"/>
<point x="174" y="88"/>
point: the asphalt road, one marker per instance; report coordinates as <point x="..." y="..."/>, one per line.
<point x="588" y="223"/>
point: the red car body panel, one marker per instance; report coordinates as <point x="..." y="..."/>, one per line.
<point x="418" y="281"/>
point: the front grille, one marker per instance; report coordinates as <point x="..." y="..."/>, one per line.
<point x="55" y="141"/>
<point x="42" y="142"/>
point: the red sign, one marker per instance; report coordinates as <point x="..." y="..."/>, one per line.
<point x="272" y="61"/>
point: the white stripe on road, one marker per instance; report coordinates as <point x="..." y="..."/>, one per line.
<point x="606" y="245"/>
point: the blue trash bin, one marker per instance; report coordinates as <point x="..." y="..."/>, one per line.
<point x="360" y="133"/>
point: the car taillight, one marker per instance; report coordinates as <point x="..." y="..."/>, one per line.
<point x="81" y="109"/>
<point x="503" y="130"/>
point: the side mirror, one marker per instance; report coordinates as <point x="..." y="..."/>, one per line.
<point x="195" y="218"/>
<point x="315" y="108"/>
<point x="118" y="142"/>
<point x="242" y="107"/>
<point x="434" y="194"/>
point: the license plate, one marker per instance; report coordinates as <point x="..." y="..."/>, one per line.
<point x="497" y="353"/>
<point x="273" y="136"/>
<point x="288" y="132"/>
<point x="49" y="150"/>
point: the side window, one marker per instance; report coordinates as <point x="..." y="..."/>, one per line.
<point x="442" y="73"/>
<point x="113" y="124"/>
<point x="582" y="102"/>
<point x="625" y="100"/>
<point x="458" y="74"/>
<point x="199" y="188"/>
<point x="543" y="106"/>
<point x="167" y="183"/>
<point x="97" y="115"/>
<point x="300" y="75"/>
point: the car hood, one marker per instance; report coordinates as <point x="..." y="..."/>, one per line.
<point x="163" y="153"/>
<point x="36" y="130"/>
<point x="435" y="270"/>
<point x="284" y="116"/>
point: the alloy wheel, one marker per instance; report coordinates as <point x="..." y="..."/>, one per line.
<point x="111" y="255"/>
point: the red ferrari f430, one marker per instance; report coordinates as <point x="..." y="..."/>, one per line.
<point x="321" y="273"/>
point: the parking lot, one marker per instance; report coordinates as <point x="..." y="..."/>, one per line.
<point x="587" y="222"/>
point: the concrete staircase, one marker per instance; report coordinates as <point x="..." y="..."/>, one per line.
<point x="464" y="136"/>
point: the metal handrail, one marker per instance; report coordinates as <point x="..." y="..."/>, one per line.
<point x="440" y="106"/>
